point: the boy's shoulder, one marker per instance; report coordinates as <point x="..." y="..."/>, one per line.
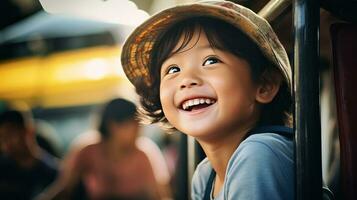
<point x="262" y="163"/>
<point x="268" y="157"/>
<point x="269" y="146"/>
<point x="267" y="149"/>
<point x="200" y="178"/>
<point x="203" y="168"/>
<point x="274" y="142"/>
<point x="269" y="140"/>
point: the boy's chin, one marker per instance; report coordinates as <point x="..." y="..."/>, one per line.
<point x="200" y="132"/>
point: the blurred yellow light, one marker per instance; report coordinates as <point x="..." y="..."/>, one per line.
<point x="83" y="76"/>
<point x="96" y="69"/>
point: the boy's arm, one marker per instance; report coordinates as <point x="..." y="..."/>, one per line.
<point x="259" y="172"/>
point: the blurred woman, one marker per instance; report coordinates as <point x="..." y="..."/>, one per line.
<point x="113" y="168"/>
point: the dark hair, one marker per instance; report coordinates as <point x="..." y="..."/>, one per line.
<point x="117" y="110"/>
<point x="221" y="35"/>
<point x="15" y="117"/>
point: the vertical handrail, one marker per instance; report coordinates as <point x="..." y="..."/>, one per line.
<point x="191" y="159"/>
<point x="182" y="181"/>
<point x="306" y="87"/>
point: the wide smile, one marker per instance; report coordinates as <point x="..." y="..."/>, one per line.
<point x="196" y="104"/>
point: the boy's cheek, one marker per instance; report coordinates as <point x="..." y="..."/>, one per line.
<point x="166" y="97"/>
<point x="165" y="101"/>
<point x="168" y="106"/>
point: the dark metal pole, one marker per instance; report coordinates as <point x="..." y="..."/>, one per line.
<point x="182" y="182"/>
<point x="307" y="112"/>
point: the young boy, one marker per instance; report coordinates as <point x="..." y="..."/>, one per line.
<point x="216" y="71"/>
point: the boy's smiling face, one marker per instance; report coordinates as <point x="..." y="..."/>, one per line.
<point x="207" y="92"/>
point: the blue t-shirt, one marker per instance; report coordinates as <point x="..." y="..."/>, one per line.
<point x="261" y="168"/>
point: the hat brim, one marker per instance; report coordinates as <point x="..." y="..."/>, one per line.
<point x="138" y="47"/>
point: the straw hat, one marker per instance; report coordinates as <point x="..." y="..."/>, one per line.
<point x="137" y="49"/>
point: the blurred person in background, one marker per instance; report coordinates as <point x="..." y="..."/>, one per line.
<point x="112" y="168"/>
<point x="25" y="169"/>
<point x="148" y="146"/>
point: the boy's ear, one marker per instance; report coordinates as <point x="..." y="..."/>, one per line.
<point x="268" y="89"/>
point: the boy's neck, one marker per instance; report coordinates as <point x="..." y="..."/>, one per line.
<point x="220" y="151"/>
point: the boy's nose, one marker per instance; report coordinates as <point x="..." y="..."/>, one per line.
<point x="188" y="85"/>
<point x="190" y="81"/>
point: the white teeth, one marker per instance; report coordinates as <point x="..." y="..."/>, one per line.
<point x="184" y="106"/>
<point x="196" y="102"/>
<point x="192" y="102"/>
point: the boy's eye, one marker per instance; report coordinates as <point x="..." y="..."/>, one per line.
<point x="173" y="69"/>
<point x="211" y="60"/>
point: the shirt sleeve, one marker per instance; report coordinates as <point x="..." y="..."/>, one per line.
<point x="259" y="172"/>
